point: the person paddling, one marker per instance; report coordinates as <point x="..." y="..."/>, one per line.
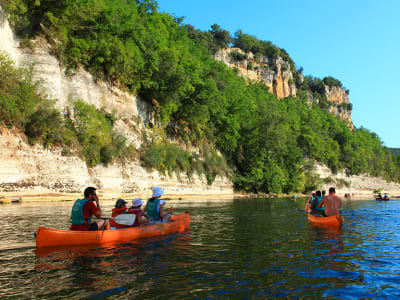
<point x="140" y="215"/>
<point x="83" y="210"/>
<point x="315" y="210"/>
<point x="120" y="208"/>
<point x="332" y="203"/>
<point x="155" y="207"/>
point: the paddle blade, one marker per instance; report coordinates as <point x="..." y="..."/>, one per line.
<point x="125" y="219"/>
<point x="161" y="227"/>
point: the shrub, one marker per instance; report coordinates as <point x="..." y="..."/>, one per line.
<point x="95" y="134"/>
<point x="45" y="125"/>
<point x="238" y="56"/>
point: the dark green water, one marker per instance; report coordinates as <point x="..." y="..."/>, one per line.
<point x="252" y="248"/>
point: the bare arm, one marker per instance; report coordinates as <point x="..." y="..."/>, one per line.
<point x="162" y="213"/>
<point x="144" y="220"/>
<point x="98" y="212"/>
<point x="321" y="203"/>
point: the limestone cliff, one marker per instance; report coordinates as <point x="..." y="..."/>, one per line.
<point x="274" y="72"/>
<point x="277" y="75"/>
<point x="23" y="167"/>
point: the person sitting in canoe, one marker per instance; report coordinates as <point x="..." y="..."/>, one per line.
<point x="83" y="210"/>
<point x="310" y="199"/>
<point x="136" y="209"/>
<point x="315" y="210"/>
<point x="155" y="207"/>
<point x="332" y="203"/>
<point x="120" y="208"/>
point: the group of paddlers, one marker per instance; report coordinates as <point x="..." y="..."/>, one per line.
<point x="83" y="210"/>
<point x="320" y="204"/>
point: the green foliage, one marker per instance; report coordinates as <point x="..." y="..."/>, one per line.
<point x="170" y="158"/>
<point x="249" y="43"/>
<point x="132" y="45"/>
<point x="18" y="95"/>
<point x="330" y="81"/>
<point x="96" y="136"/>
<point x="221" y="37"/>
<point x="238" y="56"/>
<point x="46" y="125"/>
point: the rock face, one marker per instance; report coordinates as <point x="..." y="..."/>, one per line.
<point x="23" y="167"/>
<point x="356" y="183"/>
<point x="276" y="74"/>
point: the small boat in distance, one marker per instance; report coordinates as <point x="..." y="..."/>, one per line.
<point x="382" y="199"/>
<point x="379" y="197"/>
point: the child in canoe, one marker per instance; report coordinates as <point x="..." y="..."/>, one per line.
<point x="120" y="208"/>
<point x="141" y="218"/>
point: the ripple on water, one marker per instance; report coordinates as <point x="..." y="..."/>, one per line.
<point x="240" y="249"/>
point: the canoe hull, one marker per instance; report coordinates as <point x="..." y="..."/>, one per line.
<point x="336" y="220"/>
<point x="46" y="237"/>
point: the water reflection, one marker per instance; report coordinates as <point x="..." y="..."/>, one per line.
<point x="245" y="248"/>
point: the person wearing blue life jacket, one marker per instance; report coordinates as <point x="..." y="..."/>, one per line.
<point x="83" y="210"/>
<point x="315" y="210"/>
<point x="154" y="207"/>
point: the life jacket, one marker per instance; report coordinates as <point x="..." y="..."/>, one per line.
<point x="153" y="209"/>
<point x="320" y="209"/>
<point x="116" y="212"/>
<point x="314" y="205"/>
<point x="77" y="213"/>
<point x="138" y="212"/>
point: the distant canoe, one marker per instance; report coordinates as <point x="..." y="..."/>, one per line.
<point x="382" y="199"/>
<point x="5" y="200"/>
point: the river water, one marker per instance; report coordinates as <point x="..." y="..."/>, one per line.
<point x="247" y="248"/>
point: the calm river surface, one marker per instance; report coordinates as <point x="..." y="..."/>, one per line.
<point x="248" y="248"/>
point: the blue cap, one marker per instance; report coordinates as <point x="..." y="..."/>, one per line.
<point x="120" y="202"/>
<point x="157" y="192"/>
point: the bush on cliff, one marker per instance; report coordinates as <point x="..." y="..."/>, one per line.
<point x="23" y="107"/>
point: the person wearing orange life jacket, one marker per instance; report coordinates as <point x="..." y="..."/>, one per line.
<point x="83" y="210"/>
<point x="141" y="218"/>
<point x="155" y="207"/>
<point x="120" y="208"/>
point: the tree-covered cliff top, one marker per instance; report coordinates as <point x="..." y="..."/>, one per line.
<point x="198" y="99"/>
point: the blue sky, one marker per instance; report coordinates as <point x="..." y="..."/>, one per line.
<point x="355" y="41"/>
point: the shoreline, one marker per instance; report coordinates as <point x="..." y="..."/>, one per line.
<point x="49" y="196"/>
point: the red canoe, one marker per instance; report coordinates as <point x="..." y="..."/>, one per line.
<point x="56" y="237"/>
<point x="336" y="220"/>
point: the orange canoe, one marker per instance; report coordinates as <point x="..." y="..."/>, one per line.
<point x="56" y="237"/>
<point x="336" y="220"/>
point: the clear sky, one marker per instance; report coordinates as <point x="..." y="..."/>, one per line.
<point x="354" y="41"/>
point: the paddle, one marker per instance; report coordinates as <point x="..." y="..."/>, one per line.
<point x="161" y="227"/>
<point x="125" y="219"/>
